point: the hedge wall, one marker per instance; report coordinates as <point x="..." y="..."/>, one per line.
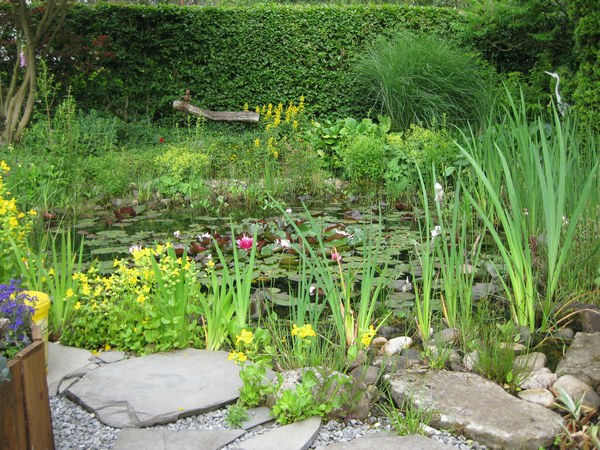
<point x="586" y="16"/>
<point x="135" y="60"/>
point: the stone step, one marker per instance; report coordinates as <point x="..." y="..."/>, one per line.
<point x="159" y="439"/>
<point x="385" y="441"/>
<point x="296" y="436"/>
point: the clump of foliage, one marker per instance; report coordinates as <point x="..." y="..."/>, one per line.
<point x="418" y="78"/>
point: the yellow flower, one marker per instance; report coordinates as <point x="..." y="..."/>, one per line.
<point x="257" y="142"/>
<point x="141" y="298"/>
<point x="4" y="167"/>
<point x="77" y="305"/>
<point x="238" y="357"/>
<point x="245" y="336"/>
<point x="367" y="336"/>
<point x="107" y="347"/>
<point x="303" y="331"/>
<point x="69" y="293"/>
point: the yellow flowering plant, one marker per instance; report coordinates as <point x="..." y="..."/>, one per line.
<point x="15" y="227"/>
<point x="149" y="304"/>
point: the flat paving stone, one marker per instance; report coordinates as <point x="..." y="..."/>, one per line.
<point x="158" y="439"/>
<point x="257" y="416"/>
<point x="296" y="436"/>
<point x="385" y="441"/>
<point x="481" y="409"/>
<point x="159" y="388"/>
<point x="66" y="363"/>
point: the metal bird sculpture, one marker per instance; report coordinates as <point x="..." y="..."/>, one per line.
<point x="562" y="106"/>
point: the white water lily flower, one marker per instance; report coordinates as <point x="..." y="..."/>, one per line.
<point x="288" y="210"/>
<point x="437" y="230"/>
<point x="312" y="291"/>
<point x="135" y="248"/>
<point x="177" y="234"/>
<point x="284" y="243"/>
<point x="204" y="236"/>
<point x="439" y="192"/>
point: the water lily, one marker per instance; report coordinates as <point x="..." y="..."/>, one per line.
<point x="177" y="234"/>
<point x="288" y="210"/>
<point x="439" y="192"/>
<point x="135" y="248"/>
<point x="245" y="242"/>
<point x="284" y="243"/>
<point x="437" y="230"/>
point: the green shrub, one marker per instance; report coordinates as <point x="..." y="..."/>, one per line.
<point x="418" y="78"/>
<point x="365" y="158"/>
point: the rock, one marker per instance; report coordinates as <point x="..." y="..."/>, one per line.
<point x="483" y="290"/>
<point x="385" y="441"/>
<point x="358" y="361"/>
<point x="378" y="342"/>
<point x="530" y="362"/>
<point x="455" y="361"/>
<point x="395" y="345"/>
<point x="538" y="396"/>
<point x="160" y="439"/>
<point x="480" y="408"/>
<point x="158" y="388"/>
<point x="564" y="335"/>
<point x="369" y="375"/>
<point x="470" y="360"/>
<point x="517" y="347"/>
<point x="389" y="332"/>
<point x="403" y="285"/>
<point x="524" y="335"/>
<point x="296" y="436"/>
<point x="582" y="359"/>
<point x="585" y="317"/>
<point x="578" y="389"/>
<point x="393" y="363"/>
<point x="446" y="336"/>
<point x="540" y="379"/>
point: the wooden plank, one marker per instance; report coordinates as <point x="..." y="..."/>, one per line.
<point x="12" y="410"/>
<point x="222" y="116"/>
<point x="37" y="406"/>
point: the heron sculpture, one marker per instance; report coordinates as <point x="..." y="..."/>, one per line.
<point x="562" y="106"/>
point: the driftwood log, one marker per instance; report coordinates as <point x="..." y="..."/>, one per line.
<point x="222" y="116"/>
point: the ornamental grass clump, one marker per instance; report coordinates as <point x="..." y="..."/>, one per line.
<point x="417" y="78"/>
<point x="15" y="319"/>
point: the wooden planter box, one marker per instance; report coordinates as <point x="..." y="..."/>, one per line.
<point x="25" y="420"/>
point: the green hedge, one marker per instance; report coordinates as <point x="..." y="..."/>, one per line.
<point x="586" y="16"/>
<point x="135" y="60"/>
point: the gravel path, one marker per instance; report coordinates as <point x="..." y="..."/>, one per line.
<point x="76" y="428"/>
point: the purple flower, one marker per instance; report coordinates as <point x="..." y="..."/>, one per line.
<point x="13" y="307"/>
<point x="245" y="242"/>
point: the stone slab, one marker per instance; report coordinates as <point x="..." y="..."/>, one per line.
<point x="582" y="359"/>
<point x="160" y="439"/>
<point x="481" y="409"/>
<point x="296" y="436"/>
<point x="384" y="441"/>
<point x="66" y="363"/>
<point x="256" y="417"/>
<point x="159" y="388"/>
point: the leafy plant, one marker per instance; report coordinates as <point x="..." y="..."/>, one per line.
<point x="578" y="431"/>
<point x="237" y="414"/>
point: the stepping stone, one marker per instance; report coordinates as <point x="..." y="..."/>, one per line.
<point x="296" y="436"/>
<point x="66" y="363"/>
<point x="582" y="359"/>
<point x="385" y="441"/>
<point x="256" y="417"/>
<point x="159" y="439"/>
<point x="159" y="388"/>
<point x="480" y="408"/>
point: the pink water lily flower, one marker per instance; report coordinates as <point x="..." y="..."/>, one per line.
<point x="245" y="242"/>
<point x="335" y="256"/>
